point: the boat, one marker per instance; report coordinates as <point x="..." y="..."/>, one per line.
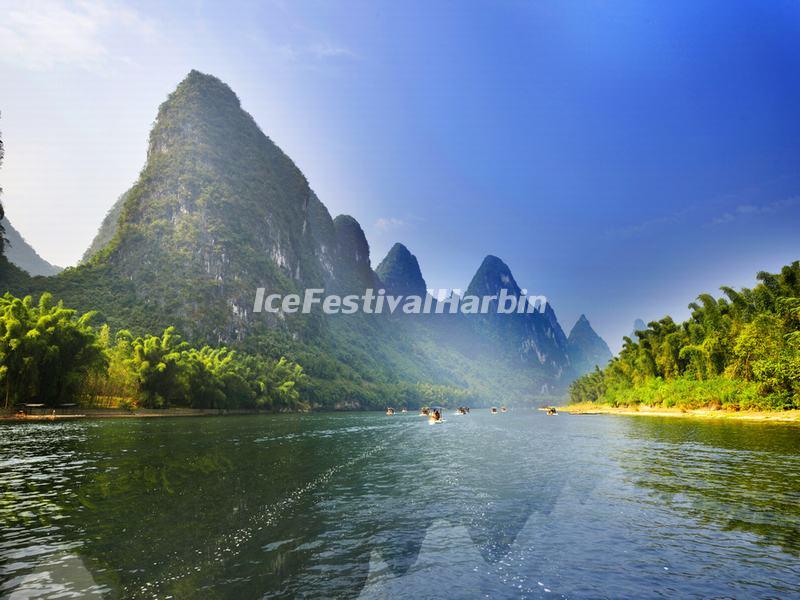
<point x="462" y="410"/>
<point x="404" y="410"/>
<point x="424" y="411"/>
<point x="389" y="411"/>
<point x="503" y="409"/>
<point x="494" y="410"/>
<point x="551" y="411"/>
<point x="436" y="415"/>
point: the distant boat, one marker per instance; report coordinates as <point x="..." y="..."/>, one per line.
<point x="494" y="410"/>
<point x="404" y="410"/>
<point x="436" y="415"/>
<point x="389" y="411"/>
<point x="424" y="411"/>
<point x="503" y="409"/>
<point x="551" y="412"/>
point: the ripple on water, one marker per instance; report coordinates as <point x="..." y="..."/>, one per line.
<point x="335" y="505"/>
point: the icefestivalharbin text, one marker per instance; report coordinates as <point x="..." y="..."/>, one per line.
<point x="378" y="302"/>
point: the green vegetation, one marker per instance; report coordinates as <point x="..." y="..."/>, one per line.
<point x="51" y="355"/>
<point x="740" y="352"/>
<point x="218" y="211"/>
<point x="45" y="351"/>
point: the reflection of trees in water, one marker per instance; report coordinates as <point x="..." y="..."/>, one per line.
<point x="738" y="476"/>
<point x="290" y="506"/>
<point x="156" y="500"/>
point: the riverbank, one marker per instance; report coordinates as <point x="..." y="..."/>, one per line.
<point x="588" y="408"/>
<point x="113" y="413"/>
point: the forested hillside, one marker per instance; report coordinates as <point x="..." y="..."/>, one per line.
<point x="217" y="212"/>
<point x="741" y="351"/>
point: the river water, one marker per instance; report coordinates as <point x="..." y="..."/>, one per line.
<point x="515" y="505"/>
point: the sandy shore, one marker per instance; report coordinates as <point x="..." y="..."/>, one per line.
<point x="784" y="416"/>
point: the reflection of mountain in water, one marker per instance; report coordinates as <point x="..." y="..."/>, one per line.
<point x="337" y="505"/>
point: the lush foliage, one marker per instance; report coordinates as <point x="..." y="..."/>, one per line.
<point x="218" y="211"/>
<point x="51" y="355"/>
<point x="740" y="352"/>
<point x="46" y="352"/>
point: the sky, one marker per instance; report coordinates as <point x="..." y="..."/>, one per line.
<point x="620" y="157"/>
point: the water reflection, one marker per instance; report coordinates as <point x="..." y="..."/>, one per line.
<point x="738" y="476"/>
<point x="339" y="505"/>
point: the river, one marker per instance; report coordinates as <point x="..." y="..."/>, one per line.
<point x="515" y="505"/>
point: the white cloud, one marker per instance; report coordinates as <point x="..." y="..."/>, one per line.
<point x="328" y="50"/>
<point x="750" y="210"/>
<point x="313" y="52"/>
<point x="643" y="228"/>
<point x="43" y="34"/>
<point x="387" y="223"/>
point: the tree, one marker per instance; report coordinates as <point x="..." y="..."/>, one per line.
<point x="751" y="336"/>
<point x="46" y="352"/>
<point x="162" y="378"/>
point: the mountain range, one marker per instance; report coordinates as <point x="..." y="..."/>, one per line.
<point x="22" y="254"/>
<point x="219" y="210"/>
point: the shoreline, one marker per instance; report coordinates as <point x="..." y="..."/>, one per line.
<point x="110" y="413"/>
<point x="784" y="416"/>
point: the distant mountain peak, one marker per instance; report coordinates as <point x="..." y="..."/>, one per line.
<point x="22" y="254"/>
<point x="586" y="348"/>
<point x="638" y="325"/>
<point x="582" y="324"/>
<point x="492" y="276"/>
<point x="400" y="273"/>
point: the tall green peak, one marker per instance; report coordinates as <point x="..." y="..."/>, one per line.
<point x="400" y="273"/>
<point x="218" y="209"/>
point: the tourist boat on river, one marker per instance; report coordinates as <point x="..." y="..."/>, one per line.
<point x="436" y="415"/>
<point x="389" y="411"/>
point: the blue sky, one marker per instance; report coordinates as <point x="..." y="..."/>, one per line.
<point x="620" y="157"/>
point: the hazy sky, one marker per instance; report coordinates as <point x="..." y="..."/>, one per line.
<point x="620" y="158"/>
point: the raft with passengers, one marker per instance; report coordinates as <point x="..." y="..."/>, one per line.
<point x="436" y="415"/>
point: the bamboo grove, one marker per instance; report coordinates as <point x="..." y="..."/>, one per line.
<point x="740" y="352"/>
<point x="51" y="355"/>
